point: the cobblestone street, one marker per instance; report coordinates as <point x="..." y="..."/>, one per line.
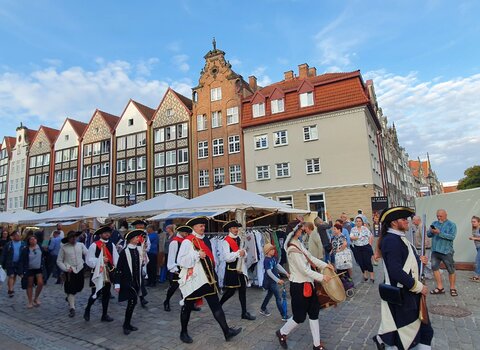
<point x="349" y="326"/>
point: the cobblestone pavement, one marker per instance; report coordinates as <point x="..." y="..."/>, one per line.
<point x="349" y="326"/>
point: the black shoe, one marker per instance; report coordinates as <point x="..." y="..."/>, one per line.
<point x="247" y="316"/>
<point x="282" y="339"/>
<point x="143" y="302"/>
<point x="71" y="313"/>
<point x="106" y="318"/>
<point x="186" y="338"/>
<point x="232" y="332"/>
<point x="379" y="346"/>
<point x="126" y="331"/>
<point x="196" y="308"/>
<point x="166" y="306"/>
<point x="86" y="315"/>
<point x="132" y="328"/>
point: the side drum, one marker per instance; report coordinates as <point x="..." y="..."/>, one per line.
<point x="331" y="293"/>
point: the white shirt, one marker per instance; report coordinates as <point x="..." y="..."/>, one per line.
<point x="172" y="264"/>
<point x="229" y="256"/>
<point x="71" y="256"/>
<point x="300" y="269"/>
<point x="188" y="256"/>
<point x="92" y="260"/>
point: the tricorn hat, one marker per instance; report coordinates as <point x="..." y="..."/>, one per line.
<point x="198" y="220"/>
<point x="132" y="234"/>
<point x="139" y="222"/>
<point x="395" y="213"/>
<point x="103" y="229"/>
<point x="228" y="225"/>
<point x="69" y="235"/>
<point x="186" y="229"/>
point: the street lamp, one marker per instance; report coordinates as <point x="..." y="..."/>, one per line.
<point x="217" y="184"/>
<point x="128" y="190"/>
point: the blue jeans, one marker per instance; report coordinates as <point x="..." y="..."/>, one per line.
<point x="477" y="262"/>
<point x="272" y="290"/>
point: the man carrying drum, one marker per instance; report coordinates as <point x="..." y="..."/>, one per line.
<point x="302" y="290"/>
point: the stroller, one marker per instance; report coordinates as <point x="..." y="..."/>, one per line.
<point x="347" y="282"/>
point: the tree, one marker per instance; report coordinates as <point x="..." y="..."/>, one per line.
<point x="471" y="179"/>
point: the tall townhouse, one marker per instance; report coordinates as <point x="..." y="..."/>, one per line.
<point x="171" y="147"/>
<point x="217" y="141"/>
<point x="40" y="170"/>
<point x="66" y="182"/>
<point x="18" y="168"/>
<point x="132" y="158"/>
<point x="97" y="156"/>
<point x="5" y="155"/>
<point x="311" y="141"/>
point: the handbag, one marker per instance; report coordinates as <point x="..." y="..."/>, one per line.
<point x="3" y="275"/>
<point x="343" y="259"/>
<point x="391" y="294"/>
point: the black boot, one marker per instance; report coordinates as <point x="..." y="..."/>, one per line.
<point x="248" y="316"/>
<point x="86" y="314"/>
<point x="184" y="318"/>
<point x="166" y="306"/>
<point x="143" y="302"/>
<point x="106" y="318"/>
<point x="231" y="333"/>
<point x="228" y="332"/>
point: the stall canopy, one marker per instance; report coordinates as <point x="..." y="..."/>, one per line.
<point x="49" y="215"/>
<point x="15" y="216"/>
<point x="98" y="209"/>
<point x="150" y="207"/>
<point x="228" y="198"/>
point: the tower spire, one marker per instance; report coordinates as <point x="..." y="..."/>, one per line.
<point x="214" y="43"/>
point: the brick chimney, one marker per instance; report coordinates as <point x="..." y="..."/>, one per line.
<point x="252" y="81"/>
<point x="288" y="75"/>
<point x="312" y="72"/>
<point x="303" y="70"/>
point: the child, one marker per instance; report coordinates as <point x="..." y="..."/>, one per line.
<point x="271" y="279"/>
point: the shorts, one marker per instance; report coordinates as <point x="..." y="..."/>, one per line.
<point x="447" y="259"/>
<point x="33" y="272"/>
<point x="14" y="270"/>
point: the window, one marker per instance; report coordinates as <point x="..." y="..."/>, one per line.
<point x="216" y="119"/>
<point x="159" y="159"/>
<point x="65" y="175"/>
<point x="280" y="138"/>
<point x="234" y="144"/>
<point x="217" y="147"/>
<point x="120" y="189"/>
<point x="105" y="168"/>
<point x="159" y="185"/>
<point x="33" y="162"/>
<point x="86" y="194"/>
<point x="313" y="166"/>
<point x="277" y="106"/>
<point x="87" y="150"/>
<point x="131" y="164"/>
<point x="232" y="115"/>
<point x="141" y="139"/>
<point x="171" y="158"/>
<point x="182" y="130"/>
<point x="56" y="197"/>
<point x="171" y="183"/>
<point x="263" y="172"/>
<point x="73" y="174"/>
<point x="235" y="174"/>
<point x="45" y="179"/>
<point x="64" y="197"/>
<point x="130" y="122"/>
<point x="96" y="148"/>
<point x="31" y="181"/>
<point x="261" y="141"/>
<point x="216" y="94"/>
<point x="183" y="182"/>
<point x="46" y="159"/>
<point x="219" y="176"/>
<point x="316" y="204"/>
<point x="43" y="199"/>
<point x="141" y="162"/>
<point x="159" y="135"/>
<point x="170" y="133"/>
<point x="141" y="187"/>
<point x="66" y="155"/>
<point x="306" y="99"/>
<point x="169" y="112"/>
<point x="38" y="180"/>
<point x="258" y="110"/>
<point x="30" y="201"/>
<point x="282" y="169"/>
<point x="121" y="143"/>
<point x="96" y="192"/>
<point x="131" y="141"/>
<point x="87" y="172"/>
<point x="95" y="170"/>
<point x="121" y="166"/>
<point x="58" y="177"/>
<point x="73" y="153"/>
<point x="105" y="146"/>
<point x="67" y="137"/>
<point x="310" y="133"/>
<point x="288" y="200"/>
<point x="203" y="178"/>
<point x="203" y="149"/>
<point x="104" y="191"/>
<point x="182" y="156"/>
<point x="201" y="122"/>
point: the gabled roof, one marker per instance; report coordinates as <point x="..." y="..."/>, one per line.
<point x="77" y="126"/>
<point x="185" y="100"/>
<point x="110" y="119"/>
<point x="10" y="142"/>
<point x="51" y="134"/>
<point x="30" y="134"/>
<point x="145" y="111"/>
<point x="415" y="167"/>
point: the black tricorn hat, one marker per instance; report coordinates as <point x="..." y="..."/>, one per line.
<point x="198" y="220"/>
<point x="139" y="222"/>
<point x="184" y="228"/>
<point x="103" y="229"/>
<point x="132" y="234"/>
<point x="233" y="223"/>
<point x="391" y="214"/>
<point x="69" y="235"/>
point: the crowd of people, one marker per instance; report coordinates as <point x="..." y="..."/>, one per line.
<point x="128" y="261"/>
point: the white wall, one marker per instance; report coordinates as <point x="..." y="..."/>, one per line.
<point x="139" y="122"/>
<point x="72" y="141"/>
<point x="17" y="171"/>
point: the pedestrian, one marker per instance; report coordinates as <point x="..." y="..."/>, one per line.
<point x="364" y="218"/>
<point x="346" y="222"/>
<point x="475" y="237"/>
<point x="362" y="240"/>
<point x="315" y="246"/>
<point x="32" y="261"/>
<point x="4" y="239"/>
<point x="340" y="247"/>
<point x="71" y="261"/>
<point x="196" y="252"/>
<point x="128" y="277"/>
<point x="401" y="325"/>
<point x="11" y="260"/>
<point x="443" y="232"/>
<point x="303" y="299"/>
<point x="53" y="250"/>
<point x="415" y="229"/>
<point x="272" y="280"/>
<point x="152" y="256"/>
<point x="59" y="228"/>
<point x="322" y="228"/>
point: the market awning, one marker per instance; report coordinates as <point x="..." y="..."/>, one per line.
<point x="186" y="215"/>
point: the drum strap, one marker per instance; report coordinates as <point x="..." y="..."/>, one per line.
<point x="312" y="265"/>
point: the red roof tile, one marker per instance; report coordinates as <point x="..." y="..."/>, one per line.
<point x="147" y="112"/>
<point x="415" y="167"/>
<point x="78" y="126"/>
<point x="10" y="141"/>
<point x="185" y="100"/>
<point x="50" y="133"/>
<point x="30" y="135"/>
<point x="110" y="119"/>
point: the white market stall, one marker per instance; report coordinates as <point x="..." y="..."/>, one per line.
<point x="98" y="209"/>
<point x="15" y="216"/>
<point x="150" y="207"/>
<point x="49" y="215"/>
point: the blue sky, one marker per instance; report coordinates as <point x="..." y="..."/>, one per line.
<point x="66" y="58"/>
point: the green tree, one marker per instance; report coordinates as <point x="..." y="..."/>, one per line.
<point x="471" y="179"/>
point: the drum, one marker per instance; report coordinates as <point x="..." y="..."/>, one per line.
<point x="331" y="293"/>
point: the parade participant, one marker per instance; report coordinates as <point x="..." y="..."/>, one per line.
<point x="144" y="243"/>
<point x="172" y="265"/>
<point x="128" y="276"/>
<point x="236" y="270"/>
<point x="70" y="261"/>
<point x="196" y="248"/>
<point x="401" y="327"/>
<point x="32" y="261"/>
<point x="302" y="277"/>
<point x="102" y="257"/>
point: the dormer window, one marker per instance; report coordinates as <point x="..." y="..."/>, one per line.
<point x="258" y="109"/>
<point x="306" y="99"/>
<point x="278" y="106"/>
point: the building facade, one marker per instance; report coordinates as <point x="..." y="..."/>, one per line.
<point x="97" y="156"/>
<point x="66" y="184"/>
<point x="217" y="140"/>
<point x="425" y="178"/>
<point x="5" y="154"/>
<point x="171" y="145"/>
<point x="40" y="170"/>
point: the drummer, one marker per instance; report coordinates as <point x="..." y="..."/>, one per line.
<point x="302" y="290"/>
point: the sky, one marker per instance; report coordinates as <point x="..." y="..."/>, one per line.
<point x="63" y="59"/>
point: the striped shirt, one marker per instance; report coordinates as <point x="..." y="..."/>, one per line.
<point x="443" y="242"/>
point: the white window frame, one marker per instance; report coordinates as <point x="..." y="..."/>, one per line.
<point x="310" y="133"/>
<point x="232" y="115"/>
<point x="170" y="133"/>
<point x="121" y="166"/>
<point x="216" y="119"/>
<point x="182" y="157"/>
<point x="261" y="141"/>
<point x="183" y="182"/>
<point x="283" y="199"/>
<point x="87" y="171"/>
<point x="96" y="170"/>
<point x="203" y="178"/>
<point x="170" y="183"/>
<point x="170" y="158"/>
<point x="182" y="131"/>
<point x="217" y="147"/>
<point x="258" y="109"/>
<point x="141" y="187"/>
<point x="278" y="106"/>
<point x="215" y="94"/>
<point x="235" y="172"/>
<point x="201" y="122"/>
<point x="159" y="135"/>
<point x="309" y="200"/>
<point x="310" y="166"/>
<point x="96" y="148"/>
<point x="306" y="99"/>
<point x="159" y="158"/>
<point x="131" y="164"/>
<point x="262" y="172"/>
<point x="219" y="174"/>
<point x="141" y="139"/>
<point x="234" y="144"/>
<point x="121" y="143"/>
<point x="280" y="138"/>
<point x="105" y="169"/>
<point x="285" y="171"/>
<point x="159" y="185"/>
<point x="202" y="149"/>
<point x="141" y="162"/>
<point x="120" y="189"/>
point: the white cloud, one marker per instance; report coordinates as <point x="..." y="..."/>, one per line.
<point x="145" y="67"/>
<point x="438" y="116"/>
<point x="262" y="78"/>
<point x="235" y="62"/>
<point x="180" y="61"/>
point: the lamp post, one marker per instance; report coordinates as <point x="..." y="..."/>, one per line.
<point x="217" y="184"/>
<point x="128" y="190"/>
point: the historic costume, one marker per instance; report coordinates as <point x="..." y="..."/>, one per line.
<point x="401" y="326"/>
<point x="198" y="279"/>
<point x="128" y="278"/>
<point x="102" y="258"/>
<point x="302" y="290"/>
<point x="236" y="269"/>
<point x="144" y="243"/>
<point x="70" y="261"/>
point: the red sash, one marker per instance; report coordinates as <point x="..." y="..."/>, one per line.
<point x="199" y="244"/>
<point x="232" y="242"/>
<point x="177" y="239"/>
<point x="106" y="252"/>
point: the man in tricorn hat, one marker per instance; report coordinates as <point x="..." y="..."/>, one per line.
<point x="197" y="248"/>
<point x="401" y="326"/>
<point x="144" y="243"/>
<point x="236" y="269"/>
<point x="102" y="257"/>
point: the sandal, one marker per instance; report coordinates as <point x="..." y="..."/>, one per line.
<point x="10" y="293"/>
<point x="453" y="293"/>
<point x="475" y="279"/>
<point x="438" y="291"/>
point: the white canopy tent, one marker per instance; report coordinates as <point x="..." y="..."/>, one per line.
<point x="98" y="209"/>
<point x="150" y="207"/>
<point x="15" y="216"/>
<point x="49" y="215"/>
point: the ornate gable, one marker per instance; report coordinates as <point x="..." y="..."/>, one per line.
<point x="41" y="144"/>
<point x="170" y="111"/>
<point x="97" y="129"/>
